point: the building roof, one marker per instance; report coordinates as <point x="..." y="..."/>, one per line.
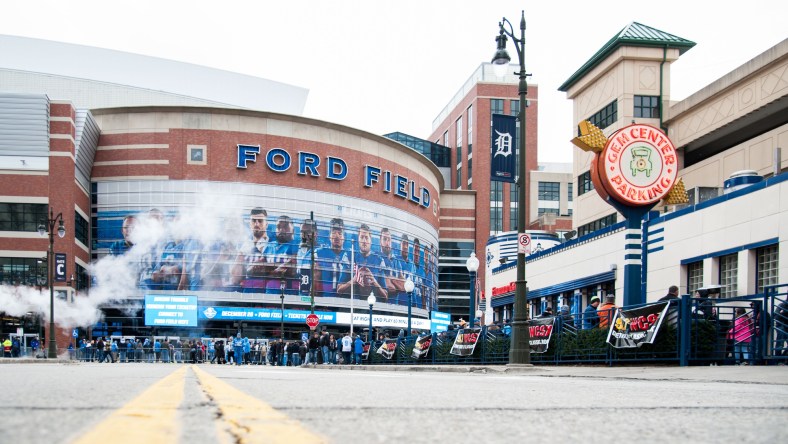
<point x="634" y="34"/>
<point x="93" y="78"/>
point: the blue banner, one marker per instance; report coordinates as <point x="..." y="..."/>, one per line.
<point x="261" y="314"/>
<point x="170" y="311"/>
<point x="502" y="149"/>
<point x="439" y="321"/>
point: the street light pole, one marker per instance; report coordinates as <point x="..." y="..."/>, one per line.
<point x="47" y="226"/>
<point x="519" y="351"/>
<point x="371" y="302"/>
<point x="409" y="287"/>
<point x="282" y="317"/>
<point x="472" y="264"/>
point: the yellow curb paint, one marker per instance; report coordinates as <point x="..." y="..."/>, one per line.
<point x="151" y="417"/>
<point x="247" y="420"/>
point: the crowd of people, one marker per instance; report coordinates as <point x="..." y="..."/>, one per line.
<point x="321" y="348"/>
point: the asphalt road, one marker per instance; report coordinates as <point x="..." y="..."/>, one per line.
<point x="111" y="403"/>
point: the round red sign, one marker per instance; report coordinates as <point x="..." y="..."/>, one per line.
<point x="639" y="165"/>
<point x="312" y="320"/>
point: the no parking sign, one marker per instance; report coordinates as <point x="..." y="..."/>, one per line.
<point x="523" y="243"/>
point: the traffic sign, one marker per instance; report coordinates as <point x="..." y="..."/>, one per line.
<point x="523" y="243"/>
<point x="75" y="333"/>
<point x="312" y="321"/>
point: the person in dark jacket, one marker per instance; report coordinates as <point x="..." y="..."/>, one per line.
<point x="314" y="343"/>
<point x="590" y="316"/>
<point x="358" y="349"/>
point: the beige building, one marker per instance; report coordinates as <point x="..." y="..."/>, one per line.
<point x="733" y="124"/>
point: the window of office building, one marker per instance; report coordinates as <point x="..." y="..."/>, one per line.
<point x="496" y="221"/>
<point x="549" y="191"/>
<point x="767" y="262"/>
<point x="459" y="178"/>
<point x="729" y="267"/>
<point x="458" y="133"/>
<point x="81" y="229"/>
<point x="23" y="271"/>
<point x="458" y="150"/>
<point x="470" y="172"/>
<point x="543" y="211"/>
<point x="514" y="108"/>
<point x="22" y="216"/>
<point x="584" y="183"/>
<point x="496" y="191"/>
<point x="446" y="139"/>
<point x="694" y="276"/>
<point x="569" y="191"/>
<point x="513" y="213"/>
<point x="496" y="106"/>
<point x="469" y="142"/>
<point x="82" y="278"/>
<point x="604" y="117"/>
<point x="598" y="224"/>
<point x="647" y="107"/>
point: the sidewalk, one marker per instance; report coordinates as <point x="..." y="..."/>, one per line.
<point x="755" y="374"/>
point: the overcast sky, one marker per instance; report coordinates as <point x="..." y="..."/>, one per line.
<point x="384" y="66"/>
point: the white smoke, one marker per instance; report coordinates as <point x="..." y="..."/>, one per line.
<point x="212" y="219"/>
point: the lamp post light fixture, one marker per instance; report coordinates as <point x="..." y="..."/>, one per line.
<point x="371" y="301"/>
<point x="47" y="226"/>
<point x="472" y="264"/>
<point x="282" y="283"/>
<point x="409" y="286"/>
<point x="519" y="352"/>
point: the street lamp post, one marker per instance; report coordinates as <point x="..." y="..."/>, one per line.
<point x="472" y="264"/>
<point x="519" y="352"/>
<point x="371" y="302"/>
<point x="47" y="226"/>
<point x="409" y="286"/>
<point x="282" y="316"/>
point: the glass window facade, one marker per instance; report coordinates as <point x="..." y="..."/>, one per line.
<point x="496" y="106"/>
<point x="513" y="218"/>
<point x="569" y="191"/>
<point x="496" y="221"/>
<point x="469" y="142"/>
<point x="598" y="224"/>
<point x="454" y="278"/>
<point x="584" y="183"/>
<point x="729" y="273"/>
<point x="647" y="107"/>
<point x="542" y="211"/>
<point x="23" y="271"/>
<point x="81" y="229"/>
<point x="604" y="117"/>
<point x="496" y="191"/>
<point x="549" y="191"/>
<point x="440" y="155"/>
<point x="22" y="216"/>
<point x="694" y="276"/>
<point x="767" y="265"/>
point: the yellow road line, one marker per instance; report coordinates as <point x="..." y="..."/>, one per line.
<point x="151" y="417"/>
<point x="246" y="419"/>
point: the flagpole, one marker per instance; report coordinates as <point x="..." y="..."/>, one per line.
<point x="352" y="283"/>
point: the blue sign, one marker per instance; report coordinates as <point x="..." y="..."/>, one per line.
<point x="75" y="333"/>
<point x="502" y="151"/>
<point x="170" y="311"/>
<point x="439" y="321"/>
<point x="262" y="314"/>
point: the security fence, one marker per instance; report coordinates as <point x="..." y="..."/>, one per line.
<point x="693" y="331"/>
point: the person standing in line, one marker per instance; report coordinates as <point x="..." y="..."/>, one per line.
<point x="332" y="350"/>
<point x="314" y="344"/>
<point x="590" y="316"/>
<point x="606" y="311"/>
<point x="302" y="352"/>
<point x="358" y="349"/>
<point x="324" y="346"/>
<point x="347" y="348"/>
<point x="741" y="334"/>
<point x="238" y="349"/>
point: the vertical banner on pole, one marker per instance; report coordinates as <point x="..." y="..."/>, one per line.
<point x="502" y="163"/>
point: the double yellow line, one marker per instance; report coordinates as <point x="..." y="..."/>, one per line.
<point x="153" y="417"/>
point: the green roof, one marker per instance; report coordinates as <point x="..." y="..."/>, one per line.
<point x="634" y="34"/>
